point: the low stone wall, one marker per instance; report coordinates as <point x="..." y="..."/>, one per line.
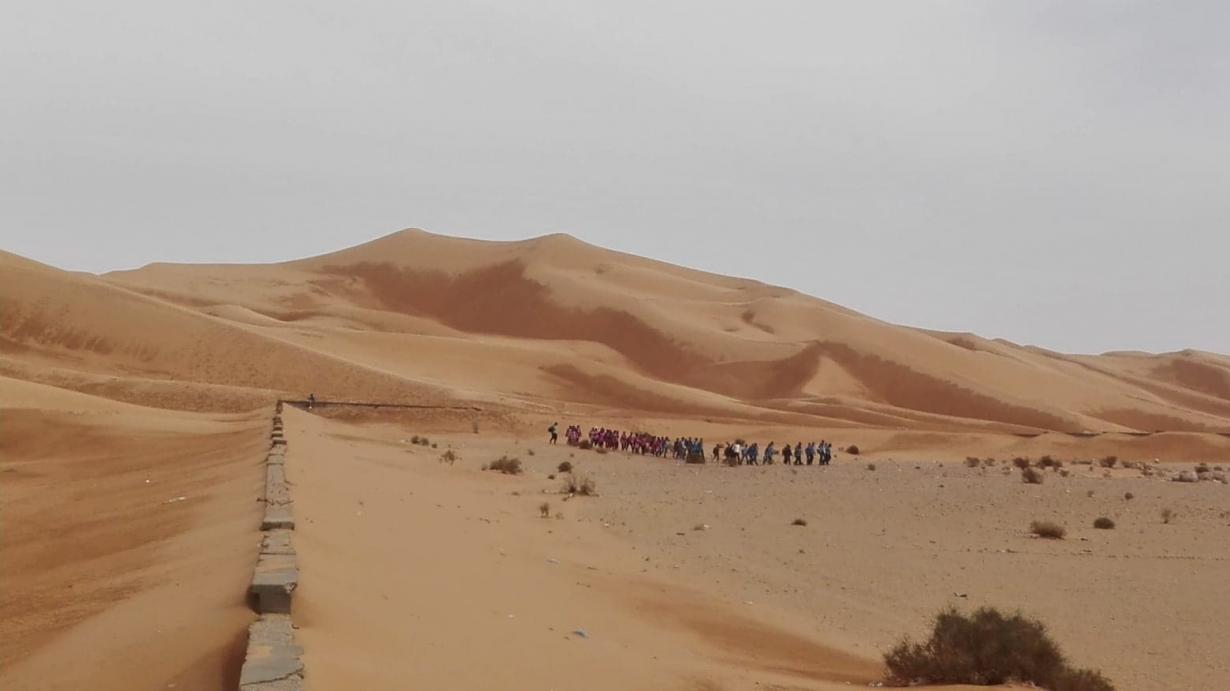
<point x="273" y="660"/>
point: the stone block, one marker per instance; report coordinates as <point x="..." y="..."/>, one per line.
<point x="278" y="516"/>
<point x="274" y="581"/>
<point x="273" y="659"/>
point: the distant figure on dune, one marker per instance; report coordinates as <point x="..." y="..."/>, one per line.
<point x="554" y="430"/>
<point x="311" y="401"/>
<point x="811" y="452"/>
<point x="798" y="453"/>
<point x="787" y="454"/>
<point x="768" y="453"/>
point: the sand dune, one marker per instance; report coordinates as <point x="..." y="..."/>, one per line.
<point x="124" y="391"/>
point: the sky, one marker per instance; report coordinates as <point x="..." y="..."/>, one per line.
<point x="1052" y="173"/>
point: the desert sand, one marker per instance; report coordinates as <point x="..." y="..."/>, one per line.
<point x="134" y="413"/>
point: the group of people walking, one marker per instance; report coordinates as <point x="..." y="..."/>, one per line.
<point x="740" y="453"/>
<point x="692" y="449"/>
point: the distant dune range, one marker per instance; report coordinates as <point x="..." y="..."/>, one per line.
<point x="417" y="317"/>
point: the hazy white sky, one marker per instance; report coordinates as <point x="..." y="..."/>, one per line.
<point x="1054" y="173"/>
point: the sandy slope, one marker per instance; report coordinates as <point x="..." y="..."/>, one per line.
<point x="108" y="581"/>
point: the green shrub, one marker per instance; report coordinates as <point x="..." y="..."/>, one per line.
<point x="987" y="648"/>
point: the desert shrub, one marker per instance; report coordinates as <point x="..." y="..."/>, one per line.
<point x="1031" y="476"/>
<point x="1064" y="472"/>
<point x="435" y="445"/>
<point x="1129" y="496"/>
<point x="506" y="465"/>
<point x="1089" y="494"/>
<point x="602" y="450"/>
<point x="582" y="486"/>
<point x="1048" y="529"/>
<point x="586" y="444"/>
<point x="1104" y="523"/>
<point x="799" y="522"/>
<point x="544" y="509"/>
<point x="448" y="457"/>
<point x="1203" y="468"/>
<point x="565" y="467"/>
<point x="1020" y="462"/>
<point x="1049" y="462"/>
<point x="529" y="452"/>
<point x="987" y="648"/>
<point x="551" y="476"/>
<point x="1167" y="515"/>
<point x="972" y="461"/>
<point x="1108" y="461"/>
<point x="414" y="440"/>
<point x="853" y="450"/>
<point x="871" y="466"/>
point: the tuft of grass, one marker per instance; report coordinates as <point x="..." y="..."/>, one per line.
<point x="565" y="467"/>
<point x="1031" y="476"/>
<point x="1048" y="530"/>
<point x="506" y="465"/>
<point x="799" y="522"/>
<point x="583" y="486"/>
<point x="1104" y="523"/>
<point x="544" y="509"/>
<point x="985" y="648"/>
<point x="1168" y="515"/>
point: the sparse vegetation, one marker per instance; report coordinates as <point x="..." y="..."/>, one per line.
<point x="544" y="509"/>
<point x="1108" y="461"/>
<point x="506" y="465"/>
<point x="1048" y="529"/>
<point x="529" y="452"/>
<point x="582" y="486"/>
<point x="871" y="466"/>
<point x="799" y="522"/>
<point x="1020" y="462"/>
<point x="565" y="467"/>
<point x="853" y="450"/>
<point x="1203" y="468"/>
<point x="972" y="461"/>
<point x="1049" y="462"/>
<point x="1128" y="496"/>
<point x="1168" y="515"/>
<point x="449" y="457"/>
<point x="988" y="648"/>
<point x="1031" y="476"/>
<point x="586" y="445"/>
<point x="602" y="450"/>
<point x="1104" y="523"/>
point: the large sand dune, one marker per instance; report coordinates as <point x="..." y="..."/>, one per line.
<point x="121" y="393"/>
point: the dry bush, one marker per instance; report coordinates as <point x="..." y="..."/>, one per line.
<point x="871" y="466"/>
<point x="602" y="450"/>
<point x="1129" y="496"/>
<point x="582" y="486"/>
<point x="972" y="461"/>
<point x="1104" y="523"/>
<point x="1203" y="468"/>
<point x="415" y="440"/>
<point x="1109" y="461"/>
<point x="1049" y="462"/>
<point x="853" y="450"/>
<point x="987" y="648"/>
<point x="529" y="452"/>
<point x="434" y="445"/>
<point x="1167" y="515"/>
<point x="551" y="476"/>
<point x="799" y="522"/>
<point x="1064" y="472"/>
<point x="565" y="467"/>
<point x="988" y="462"/>
<point x="544" y="509"/>
<point x="1089" y="494"/>
<point x="1031" y="476"/>
<point x="448" y="457"/>
<point x="1048" y="530"/>
<point x="586" y="444"/>
<point x="1021" y="463"/>
<point x="506" y="465"/>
